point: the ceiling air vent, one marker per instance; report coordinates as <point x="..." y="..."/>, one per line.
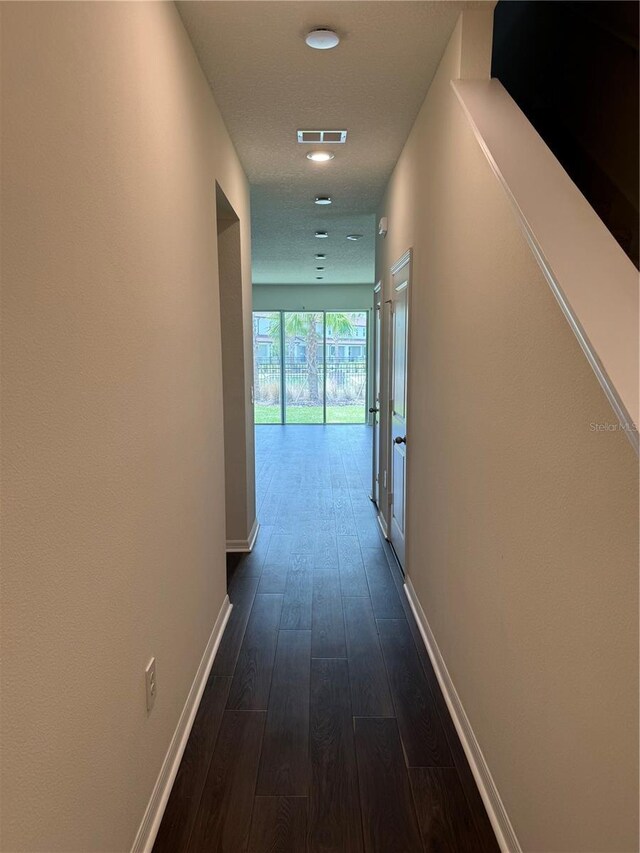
<point x="322" y="136"/>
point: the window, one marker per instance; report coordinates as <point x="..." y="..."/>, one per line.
<point x="263" y="352"/>
<point x="292" y="383"/>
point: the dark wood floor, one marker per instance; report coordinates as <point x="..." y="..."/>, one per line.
<point x="322" y="726"/>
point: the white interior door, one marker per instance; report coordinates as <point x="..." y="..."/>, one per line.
<point x="375" y="409"/>
<point x="398" y="408"/>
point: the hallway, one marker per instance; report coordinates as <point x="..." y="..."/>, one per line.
<point x="217" y="214"/>
<point x="322" y="726"/>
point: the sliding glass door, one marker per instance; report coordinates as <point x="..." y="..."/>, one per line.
<point x="303" y="367"/>
<point x="310" y="367"/>
<point x="267" y="367"/>
<point x="346" y="367"/>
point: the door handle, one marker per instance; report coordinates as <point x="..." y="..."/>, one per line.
<point x="400" y="439"/>
<point x="372" y="410"/>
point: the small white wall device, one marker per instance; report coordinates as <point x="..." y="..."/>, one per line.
<point x="383" y="227"/>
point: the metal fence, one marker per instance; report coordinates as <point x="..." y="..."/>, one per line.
<point x="266" y="382"/>
<point x="346" y="382"/>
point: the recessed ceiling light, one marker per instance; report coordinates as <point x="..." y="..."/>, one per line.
<point x="321" y="234"/>
<point x="322" y="39"/>
<point x="320" y="257"/>
<point x="319" y="277"/>
<point x="319" y="268"/>
<point x="323" y="199"/>
<point x="320" y="156"/>
<point x="354" y="236"/>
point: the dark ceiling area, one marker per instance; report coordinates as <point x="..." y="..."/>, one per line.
<point x="572" y="67"/>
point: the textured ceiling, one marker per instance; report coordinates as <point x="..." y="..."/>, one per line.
<point x="268" y="84"/>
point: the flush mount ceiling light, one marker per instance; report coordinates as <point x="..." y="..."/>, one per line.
<point x="321" y="234"/>
<point x="320" y="156"/>
<point x="320" y="257"/>
<point x="319" y="268"/>
<point x="319" y="277"/>
<point x="323" y="199"/>
<point x="322" y="39"/>
<point x="354" y="236"/>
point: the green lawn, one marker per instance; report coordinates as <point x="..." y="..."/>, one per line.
<point x="310" y="414"/>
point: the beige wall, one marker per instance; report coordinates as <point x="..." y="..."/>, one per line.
<point x="522" y="520"/>
<point x="113" y="480"/>
<point x="235" y="310"/>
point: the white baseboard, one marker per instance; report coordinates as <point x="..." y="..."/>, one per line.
<point x="244" y="546"/>
<point x="383" y="525"/>
<point x="155" y="809"/>
<point x="505" y="833"/>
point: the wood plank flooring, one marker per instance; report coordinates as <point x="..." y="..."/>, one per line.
<point x="322" y="727"/>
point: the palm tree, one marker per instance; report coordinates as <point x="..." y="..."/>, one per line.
<point x="304" y="324"/>
<point x="339" y="326"/>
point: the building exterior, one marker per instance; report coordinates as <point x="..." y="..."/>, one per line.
<point x="339" y="348"/>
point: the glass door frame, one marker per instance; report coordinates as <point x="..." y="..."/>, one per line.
<point x="283" y="364"/>
<point x="324" y="368"/>
<point x="283" y="391"/>
<point x="367" y="361"/>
